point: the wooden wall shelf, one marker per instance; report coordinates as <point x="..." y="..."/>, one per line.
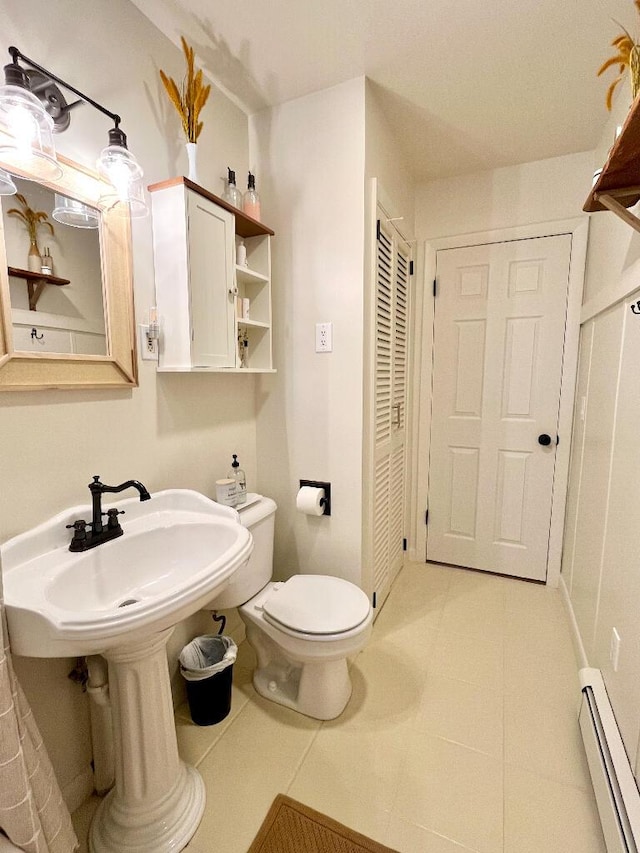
<point x="618" y="186"/>
<point x="36" y="282"/>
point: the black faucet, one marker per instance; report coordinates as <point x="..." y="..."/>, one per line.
<point x="84" y="539"/>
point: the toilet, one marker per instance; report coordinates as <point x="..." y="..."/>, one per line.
<point x="302" y="630"/>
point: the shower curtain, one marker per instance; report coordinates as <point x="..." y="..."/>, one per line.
<point x="32" y="812"/>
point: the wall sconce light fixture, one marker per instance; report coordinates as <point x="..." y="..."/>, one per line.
<point x="32" y="109"/>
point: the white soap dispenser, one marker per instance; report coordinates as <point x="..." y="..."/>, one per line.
<point x="236" y="473"/>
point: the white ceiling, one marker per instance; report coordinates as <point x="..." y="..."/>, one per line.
<point x="470" y="85"/>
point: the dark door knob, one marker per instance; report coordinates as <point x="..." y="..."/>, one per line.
<point x="544" y="439"/>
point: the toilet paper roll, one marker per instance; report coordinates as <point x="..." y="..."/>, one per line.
<point x="309" y="500"/>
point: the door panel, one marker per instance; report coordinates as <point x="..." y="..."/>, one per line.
<point x="391" y="335"/>
<point x="498" y="347"/>
<point x="211" y="269"/>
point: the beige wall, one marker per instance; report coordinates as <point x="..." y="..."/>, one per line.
<point x="503" y="198"/>
<point x="386" y="163"/>
<point x="172" y="431"/>
<point x="311" y="152"/>
<point x="317" y="154"/>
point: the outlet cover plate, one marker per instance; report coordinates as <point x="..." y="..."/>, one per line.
<point x="324" y="337"/>
<point x="148" y="348"/>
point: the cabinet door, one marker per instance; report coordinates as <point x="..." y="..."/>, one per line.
<point x="212" y="283"/>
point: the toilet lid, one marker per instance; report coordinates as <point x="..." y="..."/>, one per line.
<point x="317" y="604"/>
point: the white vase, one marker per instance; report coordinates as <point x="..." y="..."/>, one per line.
<point x="192" y="156"/>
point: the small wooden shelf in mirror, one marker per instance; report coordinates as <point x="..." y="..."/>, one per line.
<point x="36" y="282"/>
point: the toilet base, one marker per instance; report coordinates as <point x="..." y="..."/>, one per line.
<point x="318" y="690"/>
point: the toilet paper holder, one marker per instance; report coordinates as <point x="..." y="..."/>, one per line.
<point x="316" y="484"/>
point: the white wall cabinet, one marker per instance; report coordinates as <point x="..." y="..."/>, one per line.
<point x="214" y="315"/>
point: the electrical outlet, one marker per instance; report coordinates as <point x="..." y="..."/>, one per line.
<point x="324" y="337"/>
<point x="148" y="346"/>
<point x="614" y="649"/>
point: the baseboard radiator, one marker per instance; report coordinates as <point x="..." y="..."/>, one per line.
<point x="613" y="781"/>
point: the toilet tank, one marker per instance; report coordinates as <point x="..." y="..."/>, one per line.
<point x="258" y="515"/>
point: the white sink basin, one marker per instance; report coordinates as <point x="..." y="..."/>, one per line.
<point x="177" y="551"/>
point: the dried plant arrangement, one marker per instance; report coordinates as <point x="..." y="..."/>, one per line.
<point x="190" y="98"/>
<point x="32" y="219"/>
<point x="627" y="56"/>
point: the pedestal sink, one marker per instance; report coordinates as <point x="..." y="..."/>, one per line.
<point x="122" y="600"/>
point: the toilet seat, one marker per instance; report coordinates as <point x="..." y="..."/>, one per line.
<point x="316" y="605"/>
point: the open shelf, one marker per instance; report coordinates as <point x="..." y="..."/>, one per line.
<point x="36" y="282"/>
<point x="618" y="186"/>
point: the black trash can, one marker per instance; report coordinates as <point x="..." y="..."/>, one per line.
<point x="206" y="664"/>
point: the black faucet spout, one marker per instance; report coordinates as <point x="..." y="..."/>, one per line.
<point x="128" y="484"/>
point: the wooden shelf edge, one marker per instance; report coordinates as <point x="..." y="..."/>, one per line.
<point x="610" y="203"/>
<point x="28" y="275"/>
<point x="36" y="282"/>
<point x="246" y="226"/>
<point x="620" y="176"/>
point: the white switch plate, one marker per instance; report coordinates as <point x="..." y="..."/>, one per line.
<point x="324" y="337"/>
<point x="148" y="348"/>
<point x="614" y="649"/>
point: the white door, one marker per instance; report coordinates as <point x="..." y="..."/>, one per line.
<point x="499" y="329"/>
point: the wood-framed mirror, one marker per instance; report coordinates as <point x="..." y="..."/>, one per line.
<point x="66" y="321"/>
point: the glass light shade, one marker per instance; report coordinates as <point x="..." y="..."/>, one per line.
<point x="70" y="211"/>
<point x="130" y="203"/>
<point x="117" y="165"/>
<point x="30" y="148"/>
<point x="7" y="187"/>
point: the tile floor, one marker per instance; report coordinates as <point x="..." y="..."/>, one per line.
<point x="461" y="734"/>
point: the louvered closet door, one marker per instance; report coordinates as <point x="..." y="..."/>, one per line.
<point x="392" y="306"/>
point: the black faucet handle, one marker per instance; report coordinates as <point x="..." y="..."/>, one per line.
<point x="79" y="528"/>
<point x="112" y="516"/>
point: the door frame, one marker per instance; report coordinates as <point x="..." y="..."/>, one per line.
<point x="578" y="228"/>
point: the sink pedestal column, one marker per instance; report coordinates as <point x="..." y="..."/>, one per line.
<point x="158" y="800"/>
